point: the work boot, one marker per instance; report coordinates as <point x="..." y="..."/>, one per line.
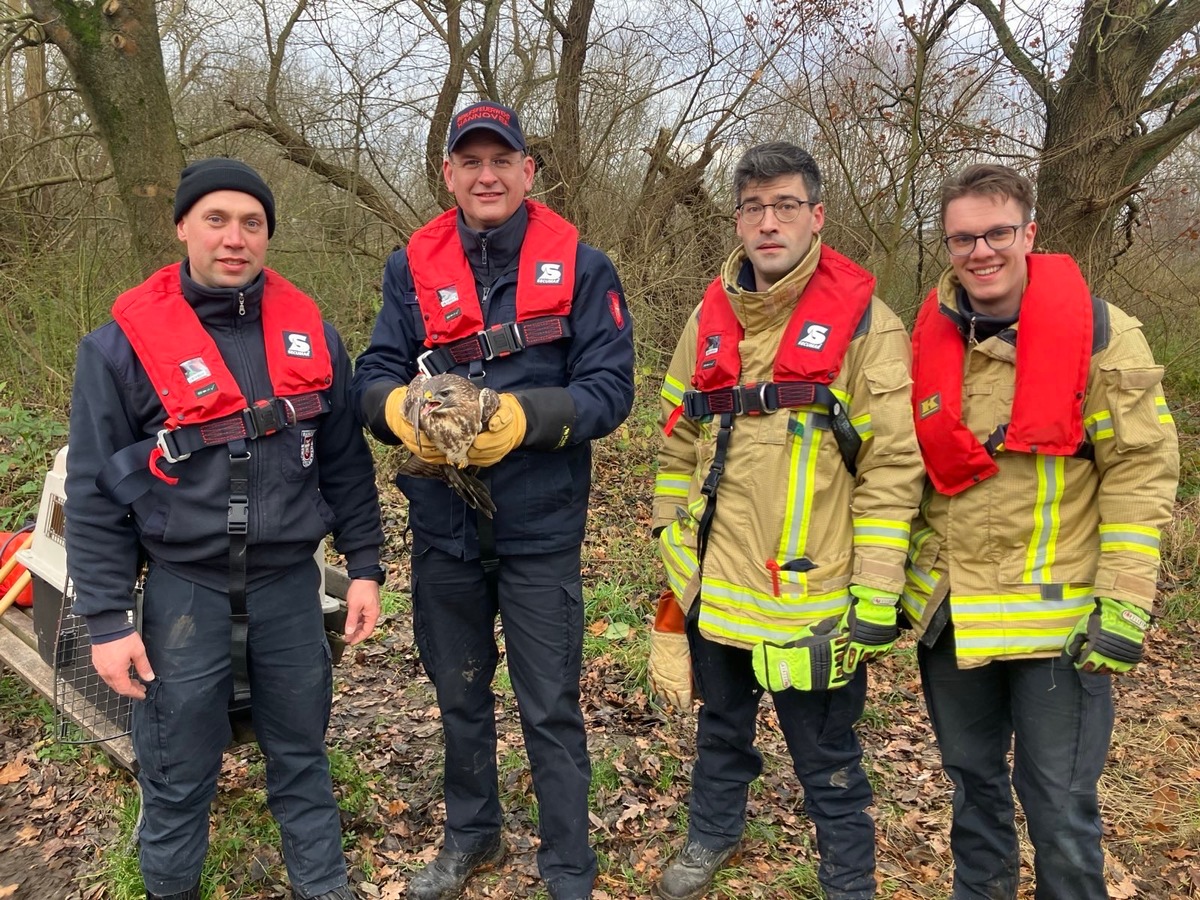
<point x="690" y="874"/>
<point x="192" y="893"/>
<point x="446" y="876"/>
<point x="342" y="892"/>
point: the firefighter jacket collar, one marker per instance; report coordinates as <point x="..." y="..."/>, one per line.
<point x="493" y="252"/>
<point x="1052" y="360"/>
<point x="219" y="306"/>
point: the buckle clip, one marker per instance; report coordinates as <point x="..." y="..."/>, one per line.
<point x="263" y="418"/>
<point x="501" y="340"/>
<point x="239" y="514"/>
<point x="422" y="364"/>
<point x="752" y="399"/>
<point x="164" y="446"/>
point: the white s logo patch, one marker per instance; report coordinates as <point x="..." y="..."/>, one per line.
<point x="298" y="344"/>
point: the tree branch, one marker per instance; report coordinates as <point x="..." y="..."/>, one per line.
<point x="1013" y="52"/>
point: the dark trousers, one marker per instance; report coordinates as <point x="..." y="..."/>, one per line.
<point x="819" y="729"/>
<point x="539" y="600"/>
<point x="182" y="727"/>
<point x="1062" y="721"/>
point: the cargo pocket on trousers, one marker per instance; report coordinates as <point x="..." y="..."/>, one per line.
<point x="149" y="745"/>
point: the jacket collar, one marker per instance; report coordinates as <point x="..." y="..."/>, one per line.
<point x="220" y="306"/>
<point x="491" y="252"/>
<point x="760" y="310"/>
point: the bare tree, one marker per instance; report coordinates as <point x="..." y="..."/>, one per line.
<point x="114" y="54"/>
<point x="1123" y="101"/>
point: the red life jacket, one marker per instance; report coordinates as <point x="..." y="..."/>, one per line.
<point x="810" y="353"/>
<point x="191" y="379"/>
<point x="445" y="284"/>
<point x="1054" y="348"/>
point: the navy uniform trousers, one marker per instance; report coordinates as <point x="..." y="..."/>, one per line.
<point x="182" y="727"/>
<point x="819" y="729"/>
<point x="540" y="603"/>
<point x="1062" y="721"/>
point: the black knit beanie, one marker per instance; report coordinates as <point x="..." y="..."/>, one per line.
<point x="220" y="173"/>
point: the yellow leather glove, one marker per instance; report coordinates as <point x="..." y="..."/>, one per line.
<point x="670" y="664"/>
<point x="397" y="421"/>
<point x="504" y="432"/>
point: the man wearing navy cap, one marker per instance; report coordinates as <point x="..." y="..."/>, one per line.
<point x="501" y="291"/>
<point x="212" y="435"/>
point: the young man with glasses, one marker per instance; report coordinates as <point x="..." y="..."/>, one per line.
<point x="787" y="480"/>
<point x="1052" y="463"/>
<point x="501" y="291"/>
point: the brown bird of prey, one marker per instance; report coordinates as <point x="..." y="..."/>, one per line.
<point x="448" y="411"/>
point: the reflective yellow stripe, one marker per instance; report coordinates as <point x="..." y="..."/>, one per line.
<point x="670" y="484"/>
<point x="1099" y="425"/>
<point x="798" y="507"/>
<point x="881" y="533"/>
<point x="1047" y="518"/>
<point x="1011" y="624"/>
<point x="862" y="424"/>
<point x="737" y="613"/>
<point x="672" y="390"/>
<point x="1135" y="538"/>
<point x="1164" y="413"/>
<point x="918" y="588"/>
<point x="679" y="560"/>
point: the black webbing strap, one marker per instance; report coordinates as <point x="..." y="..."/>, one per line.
<point x="126" y="476"/>
<point x="494" y="342"/>
<point x="711" y="482"/>
<point x="237" y="527"/>
<point x="995" y="442"/>
<point x="769" y="396"/>
<point x="489" y="559"/>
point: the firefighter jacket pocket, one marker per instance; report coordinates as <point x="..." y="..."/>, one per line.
<point x="1133" y="405"/>
<point x="890" y="409"/>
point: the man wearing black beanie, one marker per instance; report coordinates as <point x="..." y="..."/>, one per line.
<point x="212" y="436"/>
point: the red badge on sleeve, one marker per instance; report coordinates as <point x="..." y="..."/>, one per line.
<point x="614" y="307"/>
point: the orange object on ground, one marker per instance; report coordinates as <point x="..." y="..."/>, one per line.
<point x="10" y="543"/>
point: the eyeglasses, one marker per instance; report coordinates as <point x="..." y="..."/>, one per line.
<point x="498" y="164"/>
<point x="785" y="210"/>
<point x="999" y="238"/>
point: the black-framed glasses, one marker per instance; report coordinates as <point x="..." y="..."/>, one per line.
<point x="786" y="210"/>
<point x="999" y="238"/>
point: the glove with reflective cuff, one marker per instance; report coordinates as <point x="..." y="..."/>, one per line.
<point x="537" y="419"/>
<point x="399" y="425"/>
<point x="1110" y="639"/>
<point x="670" y="664"/>
<point x="810" y="662"/>
<point x="870" y="625"/>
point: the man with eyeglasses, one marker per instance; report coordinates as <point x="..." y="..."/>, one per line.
<point x="1053" y="463"/>
<point x="501" y="291"/>
<point x="787" y="479"/>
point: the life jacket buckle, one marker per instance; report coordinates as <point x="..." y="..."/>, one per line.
<point x="501" y="340"/>
<point x="164" y="445"/>
<point x="423" y="364"/>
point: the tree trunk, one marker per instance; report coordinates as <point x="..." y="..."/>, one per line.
<point x="115" y="56"/>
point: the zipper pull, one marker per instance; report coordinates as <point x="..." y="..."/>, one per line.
<point x="971" y="342"/>
<point x="483" y="242"/>
<point x="242" y="305"/>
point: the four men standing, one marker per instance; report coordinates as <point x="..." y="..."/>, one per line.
<point x="788" y="478"/>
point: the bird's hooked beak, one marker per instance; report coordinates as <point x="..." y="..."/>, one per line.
<point x="431" y="403"/>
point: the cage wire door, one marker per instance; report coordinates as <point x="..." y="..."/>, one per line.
<point x="86" y="710"/>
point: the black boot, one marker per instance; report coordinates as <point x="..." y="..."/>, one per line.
<point x="690" y="874"/>
<point x="446" y="876"/>
<point x="341" y="892"/>
<point x="192" y="893"/>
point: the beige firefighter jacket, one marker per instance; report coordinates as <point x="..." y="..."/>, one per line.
<point x="1022" y="554"/>
<point x="792" y="527"/>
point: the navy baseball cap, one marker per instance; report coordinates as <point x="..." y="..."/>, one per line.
<point x="500" y="120"/>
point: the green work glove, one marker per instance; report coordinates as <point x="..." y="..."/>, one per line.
<point x="810" y="662"/>
<point x="1109" y="640"/>
<point x="870" y="625"/>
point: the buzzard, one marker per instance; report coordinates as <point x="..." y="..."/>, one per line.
<point x="448" y="411"/>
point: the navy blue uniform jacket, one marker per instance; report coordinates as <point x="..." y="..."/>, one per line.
<point x="541" y="496"/>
